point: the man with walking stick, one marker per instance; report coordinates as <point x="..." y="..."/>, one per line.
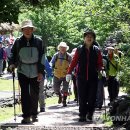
<point x="13" y="74"/>
<point x="27" y="54"/>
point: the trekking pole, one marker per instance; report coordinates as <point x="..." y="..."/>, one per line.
<point x="69" y="91"/>
<point x="104" y="102"/>
<point x="19" y="96"/>
<point x="13" y="74"/>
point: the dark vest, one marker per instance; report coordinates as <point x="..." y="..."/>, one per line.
<point x="88" y="63"/>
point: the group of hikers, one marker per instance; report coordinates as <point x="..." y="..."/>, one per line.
<point x="6" y="43"/>
<point x="87" y="66"/>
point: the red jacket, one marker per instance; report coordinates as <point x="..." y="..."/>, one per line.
<point x="75" y="61"/>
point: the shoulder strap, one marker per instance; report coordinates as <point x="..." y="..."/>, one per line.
<point x="79" y="49"/>
<point x="56" y="57"/>
<point x="112" y="64"/>
<point x="67" y="56"/>
<point x="37" y="44"/>
<point x="96" y="48"/>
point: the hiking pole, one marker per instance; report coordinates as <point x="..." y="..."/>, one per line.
<point x="13" y="74"/>
<point x="19" y="97"/>
<point x="69" y="89"/>
<point x="104" y="102"/>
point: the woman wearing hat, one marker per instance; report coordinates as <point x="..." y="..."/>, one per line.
<point x="60" y="62"/>
<point x="89" y="60"/>
<point x="112" y="70"/>
<point x="27" y="53"/>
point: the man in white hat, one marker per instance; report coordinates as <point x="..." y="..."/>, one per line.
<point x="112" y="70"/>
<point x="60" y="62"/>
<point x="27" y="54"/>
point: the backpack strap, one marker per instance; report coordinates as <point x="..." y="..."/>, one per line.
<point x="79" y="49"/>
<point x="39" y="47"/>
<point x="56" y="58"/>
<point x="57" y="54"/>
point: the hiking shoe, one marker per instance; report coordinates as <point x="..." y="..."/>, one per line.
<point x="75" y="100"/>
<point x="89" y="117"/>
<point x="42" y="109"/>
<point x="82" y="119"/>
<point x="60" y="99"/>
<point x="100" y="107"/>
<point x="34" y="119"/>
<point x="26" y="120"/>
<point x="64" y="104"/>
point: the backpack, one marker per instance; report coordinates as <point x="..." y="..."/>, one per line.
<point x="67" y="58"/>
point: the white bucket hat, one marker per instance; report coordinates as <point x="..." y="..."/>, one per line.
<point x="27" y="23"/>
<point x="63" y="44"/>
<point x="110" y="48"/>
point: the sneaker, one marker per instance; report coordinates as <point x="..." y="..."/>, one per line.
<point x="34" y="119"/>
<point x="42" y="109"/>
<point x="82" y="119"/>
<point x="60" y="99"/>
<point x="26" y="120"/>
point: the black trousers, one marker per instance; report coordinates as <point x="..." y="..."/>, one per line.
<point x="87" y="91"/>
<point x="113" y="88"/>
<point x="29" y="95"/>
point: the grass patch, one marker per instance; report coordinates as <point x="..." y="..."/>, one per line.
<point x="8" y="112"/>
<point x="7" y="85"/>
<point x="107" y="120"/>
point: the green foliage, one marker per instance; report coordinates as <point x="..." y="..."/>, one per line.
<point x="9" y="11"/>
<point x="42" y="3"/>
<point x="124" y="74"/>
<point x="51" y="51"/>
<point x="110" y="20"/>
<point x="67" y="22"/>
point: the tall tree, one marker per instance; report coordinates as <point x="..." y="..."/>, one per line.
<point x="10" y="9"/>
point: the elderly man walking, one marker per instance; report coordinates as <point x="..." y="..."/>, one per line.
<point x="27" y="54"/>
<point x="60" y="62"/>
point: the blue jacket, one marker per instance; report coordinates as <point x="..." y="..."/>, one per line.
<point x="48" y="68"/>
<point x="1" y="53"/>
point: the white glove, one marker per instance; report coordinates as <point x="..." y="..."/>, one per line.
<point x="68" y="77"/>
<point x="103" y="73"/>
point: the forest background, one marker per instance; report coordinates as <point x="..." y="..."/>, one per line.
<point x="65" y="20"/>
